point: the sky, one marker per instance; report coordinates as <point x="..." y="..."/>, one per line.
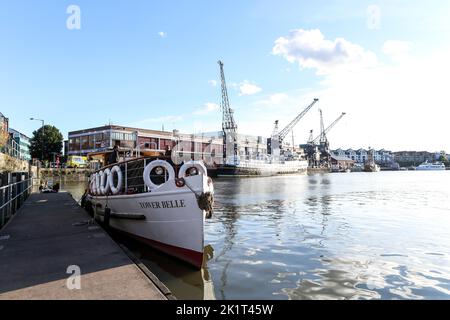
<point x="151" y="64"/>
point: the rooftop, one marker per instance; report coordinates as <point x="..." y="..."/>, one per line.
<point x="340" y="158"/>
<point x="123" y="128"/>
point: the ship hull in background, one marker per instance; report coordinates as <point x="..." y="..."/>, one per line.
<point x="254" y="168"/>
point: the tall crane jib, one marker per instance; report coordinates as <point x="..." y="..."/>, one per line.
<point x="229" y="127"/>
<point x="283" y="133"/>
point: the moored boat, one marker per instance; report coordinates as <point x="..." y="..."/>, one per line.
<point x="431" y="166"/>
<point x="262" y="168"/>
<point x="370" y="165"/>
<point x="146" y="199"/>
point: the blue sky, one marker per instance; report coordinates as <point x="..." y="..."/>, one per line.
<point x="149" y="63"/>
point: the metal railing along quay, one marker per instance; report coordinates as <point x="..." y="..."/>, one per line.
<point x="12" y="196"/>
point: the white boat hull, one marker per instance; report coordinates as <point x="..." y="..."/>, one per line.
<point x="260" y="168"/>
<point x="436" y="168"/>
<point x="168" y="219"/>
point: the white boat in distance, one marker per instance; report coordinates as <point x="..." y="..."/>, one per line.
<point x="146" y="200"/>
<point x="431" y="166"/>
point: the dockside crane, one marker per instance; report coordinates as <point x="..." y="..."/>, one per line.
<point x="229" y="126"/>
<point x="317" y="149"/>
<point x="323" y="143"/>
<point x="276" y="141"/>
<point x="316" y="139"/>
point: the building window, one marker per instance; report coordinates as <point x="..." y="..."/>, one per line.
<point x="148" y="143"/>
<point x="84" y="142"/>
<point x="75" y="144"/>
<point x="91" y="141"/>
<point x="166" y="144"/>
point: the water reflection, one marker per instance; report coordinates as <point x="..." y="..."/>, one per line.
<point x="184" y="281"/>
<point x="335" y="236"/>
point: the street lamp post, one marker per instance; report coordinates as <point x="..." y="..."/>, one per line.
<point x="43" y="129"/>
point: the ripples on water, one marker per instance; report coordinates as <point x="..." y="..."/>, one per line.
<point x="336" y="236"/>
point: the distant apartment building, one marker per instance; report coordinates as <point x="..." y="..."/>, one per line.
<point x="382" y="157"/>
<point x="21" y="145"/>
<point x="414" y="157"/>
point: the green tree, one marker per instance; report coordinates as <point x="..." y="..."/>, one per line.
<point x="46" y="141"/>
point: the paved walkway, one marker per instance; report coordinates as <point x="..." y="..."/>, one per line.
<point x="51" y="233"/>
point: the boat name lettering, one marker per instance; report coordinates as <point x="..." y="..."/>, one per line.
<point x="163" y="204"/>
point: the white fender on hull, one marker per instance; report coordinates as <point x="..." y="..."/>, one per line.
<point x="157" y="163"/>
<point x="118" y="188"/>
<point x="192" y="164"/>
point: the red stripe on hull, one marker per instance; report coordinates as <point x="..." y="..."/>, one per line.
<point x="194" y="258"/>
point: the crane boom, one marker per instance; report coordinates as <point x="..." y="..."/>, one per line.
<point x="323" y="135"/>
<point x="316" y="139"/>
<point x="228" y="123"/>
<point x="283" y="133"/>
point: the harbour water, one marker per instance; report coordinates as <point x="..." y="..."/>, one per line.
<point x="382" y="235"/>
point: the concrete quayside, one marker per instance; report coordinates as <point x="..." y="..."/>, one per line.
<point x="52" y="249"/>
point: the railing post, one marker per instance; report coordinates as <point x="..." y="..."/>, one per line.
<point x="10" y="201"/>
<point x="145" y="164"/>
<point x="126" y="177"/>
<point x="3" y="209"/>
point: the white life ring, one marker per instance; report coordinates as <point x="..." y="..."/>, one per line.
<point x="118" y="188"/>
<point x="97" y="184"/>
<point x="91" y="184"/>
<point x="192" y="164"/>
<point x="104" y="181"/>
<point x="157" y="163"/>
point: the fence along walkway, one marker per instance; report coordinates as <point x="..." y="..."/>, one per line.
<point x="13" y="195"/>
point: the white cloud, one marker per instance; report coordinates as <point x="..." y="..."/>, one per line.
<point x="162" y="34"/>
<point x="247" y="89"/>
<point x="399" y="107"/>
<point x="397" y="50"/>
<point x="274" y="99"/>
<point x="207" y="108"/>
<point x="310" y="49"/>
<point x="212" y="83"/>
<point x="278" y="98"/>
